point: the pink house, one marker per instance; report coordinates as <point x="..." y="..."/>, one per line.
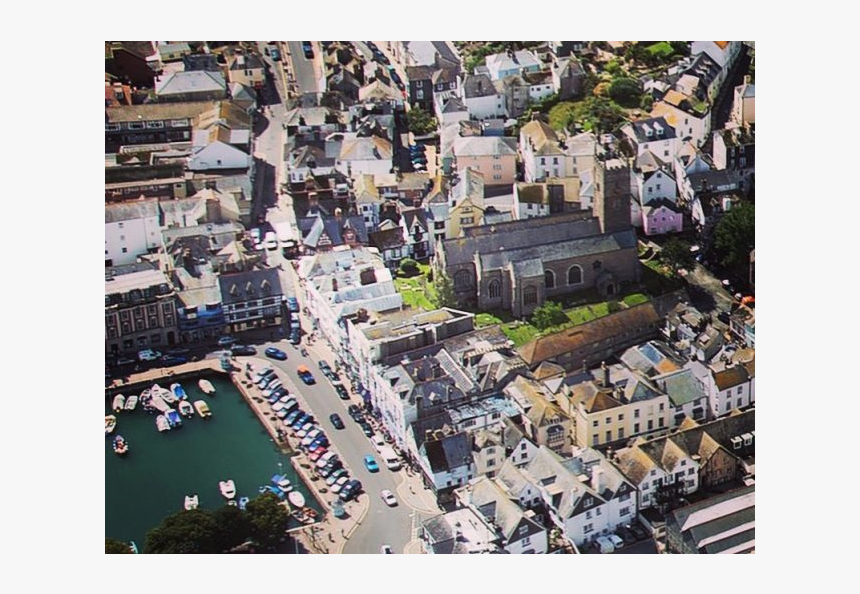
<point x="495" y="157"/>
<point x="661" y="216"/>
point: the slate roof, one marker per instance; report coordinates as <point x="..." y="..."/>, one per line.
<point x="312" y="228"/>
<point x="724" y="514"/>
<point x="135" y="209"/>
<point x="449" y="452"/>
<point x="681" y="387"/>
<point x="492" y="503"/>
<point x="478" y="85"/>
<point x="147" y="112"/>
<point x="190" y="82"/>
<point x="640" y="128"/>
<point x="251" y="285"/>
<point x="411" y="215"/>
<point x="454" y="105"/>
<point x="479" y="146"/>
<point x="388" y="239"/>
<point x="246" y="62"/>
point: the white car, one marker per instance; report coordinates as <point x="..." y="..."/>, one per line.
<point x="338" y="485"/>
<point x="386" y="550"/>
<point x="271" y="241"/>
<point x="325" y="458"/>
<point x="615" y="540"/>
<point x="307" y="439"/>
<point x="305" y="429"/>
<point x="389" y="498"/>
<point x="334" y="476"/>
<point x="148" y="355"/>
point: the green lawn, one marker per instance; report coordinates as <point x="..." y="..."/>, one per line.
<point x="635" y="299"/>
<point x="520" y="334"/>
<point x="661" y="49"/>
<point x="486" y="319"/>
<point x="417" y="291"/>
<point x="561" y="114"/>
<point x="580" y="315"/>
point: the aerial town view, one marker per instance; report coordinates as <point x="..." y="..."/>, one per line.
<point x="430" y="297"/>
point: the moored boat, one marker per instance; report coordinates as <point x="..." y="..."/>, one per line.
<point x="191" y="502"/>
<point x="178" y="391"/>
<point x="131" y="403"/>
<point x="159" y="404"/>
<point x="174" y="419"/>
<point x="202" y="409"/>
<point x="162" y="424"/>
<point x="118" y="403"/>
<point x="282" y="482"/>
<point x="120" y="445"/>
<point x="185" y="409"/>
<point x="206" y="386"/>
<point x="228" y="488"/>
<point x="110" y="424"/>
<point x="243" y="502"/>
<point x="133" y="547"/>
<point x="296" y="498"/>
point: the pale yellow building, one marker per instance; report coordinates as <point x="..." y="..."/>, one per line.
<point x="468" y="203"/>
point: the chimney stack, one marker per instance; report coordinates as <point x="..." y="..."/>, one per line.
<point x="597" y="478"/>
<point x="605" y="370"/>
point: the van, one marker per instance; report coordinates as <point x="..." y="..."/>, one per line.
<point x="604" y="545"/>
<point x="392" y="462"/>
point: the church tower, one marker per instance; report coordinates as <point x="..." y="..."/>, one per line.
<point x="612" y="194"/>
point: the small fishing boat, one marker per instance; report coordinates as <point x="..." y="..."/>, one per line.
<point x="296" y="498"/>
<point x="191" y="502"/>
<point x="162" y="423"/>
<point x="110" y="424"/>
<point x="146" y="394"/>
<point x="282" y="482"/>
<point x="131" y="403"/>
<point x="243" y="502"/>
<point x="133" y="547"/>
<point x="178" y="391"/>
<point x="185" y="409"/>
<point x="206" y="386"/>
<point x="169" y="397"/>
<point x="174" y="419"/>
<point x="118" y="403"/>
<point x="228" y="488"/>
<point x="158" y="403"/>
<point x="120" y="445"/>
<point x="202" y="409"/>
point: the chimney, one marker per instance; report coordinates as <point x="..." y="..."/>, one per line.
<point x="334" y="285"/>
<point x="605" y="370"/>
<point x="597" y="478"/>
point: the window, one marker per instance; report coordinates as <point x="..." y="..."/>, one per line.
<point x="624" y="497"/>
<point x="595" y="423"/>
<point x="495" y="289"/>
<point x="530" y="295"/>
<point x="621" y="417"/>
<point x="491" y="462"/>
<point x="588" y="515"/>
<point x="179" y="123"/>
<point x="595" y="439"/>
<point x="121" y="225"/>
<point x="549" y="279"/>
<point x="467" y="220"/>
<point x="597" y="511"/>
<point x="636" y="428"/>
<point x="691" y="472"/>
<point x="740" y="390"/>
<point x="135" y="125"/>
<point x="597" y="265"/>
<point x="661" y="407"/>
<point x="625" y="511"/>
<point x="609" y="436"/>
<point x="636" y="414"/>
<point x="497" y="157"/>
<point x="621" y="433"/>
<point x="588" y="528"/>
<point x="462" y="279"/>
<point x="542" y="161"/>
<point x="608" y="420"/>
<point x="523" y="446"/>
<point x="661" y="421"/>
<point x="497" y="167"/>
<point x="419" y="94"/>
<point x="574" y="275"/>
<point x="111" y="127"/>
<point x="155" y="125"/>
<point x="650" y="424"/>
<point x="497" y="177"/>
<point x="124" y="250"/>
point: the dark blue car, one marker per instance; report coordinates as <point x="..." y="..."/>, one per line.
<point x="292" y="304"/>
<point x="273" y="353"/>
<point x="171" y="360"/>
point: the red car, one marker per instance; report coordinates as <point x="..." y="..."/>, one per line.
<point x="316" y="455"/>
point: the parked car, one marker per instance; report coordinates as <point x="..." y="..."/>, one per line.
<point x="724" y="317"/>
<point x="626" y="535"/>
<point x="342" y="392"/>
<point x="275" y="53"/>
<point x="125" y="361"/>
<point x="148" y="355"/>
<point x="615" y="540"/>
<point x="336" y="421"/>
<point x="170" y="360"/>
<point x="351" y="489"/>
<point x="332" y="478"/>
<point x="389" y="498"/>
<point x="177" y="352"/>
<point x="243" y="350"/>
<point x="638" y="531"/>
<point x="371" y="464"/>
<point x="292" y="304"/>
<point x="366" y="428"/>
<point x="273" y="353"/>
<point x="316" y="455"/>
<point x="329" y="468"/>
<point x="326" y="459"/>
<point x="293" y="416"/>
<point x="295" y="336"/>
<point x="305" y="375"/>
<point x="354" y="411"/>
<point x="386" y="550"/>
<point x="311" y="436"/>
<point x="324" y="366"/>
<point x="317" y="444"/>
<point x="378" y="442"/>
<point x="339" y="484"/>
<point x="604" y="545"/>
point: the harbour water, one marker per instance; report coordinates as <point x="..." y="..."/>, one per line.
<point x="152" y="480"/>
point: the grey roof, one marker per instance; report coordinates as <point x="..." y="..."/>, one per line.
<point x="485" y="145"/>
<point x="714" y="516"/>
<point x="681" y="387"/>
<point x="245" y="286"/>
<point x="478" y="85"/>
<point x="704" y="68"/>
<point x="448" y="453"/>
<point x="127" y="211"/>
<point x="312" y="228"/>
<point x="453" y="105"/>
<point x="414" y="214"/>
<point x="190" y="82"/>
<point x="505" y="515"/>
<point x="561" y="250"/>
<point x="246" y="62"/>
<point x="641" y="128"/>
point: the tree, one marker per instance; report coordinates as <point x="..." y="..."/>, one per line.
<point x="268" y="520"/>
<point x="613" y="67"/>
<point x="548" y="315"/>
<point x="625" y="91"/>
<point x="599" y="114"/>
<point x="646" y="103"/>
<point x="192" y="531"/>
<point x="232" y="527"/>
<point x="421" y="122"/>
<point x="445" y="296"/>
<point x="676" y="255"/>
<point x="408" y="267"/>
<point x="735" y="235"/>
<point x="114" y="547"/>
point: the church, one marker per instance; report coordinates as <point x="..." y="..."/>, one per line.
<point x="517" y="265"/>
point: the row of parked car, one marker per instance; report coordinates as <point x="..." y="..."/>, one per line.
<point x="314" y="441"/>
<point x="627" y="535"/>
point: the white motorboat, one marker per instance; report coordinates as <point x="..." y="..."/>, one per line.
<point x="158" y="403"/>
<point x="162" y="423"/>
<point x="296" y="498"/>
<point x="185" y="409"/>
<point x="284" y="485"/>
<point x="228" y="488"/>
<point x="131" y="403"/>
<point x="169" y="397"/>
<point x="191" y="502"/>
<point x="118" y="403"/>
<point x="202" y="409"/>
<point x="110" y="424"/>
<point x="206" y="386"/>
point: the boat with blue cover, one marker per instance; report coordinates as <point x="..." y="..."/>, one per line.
<point x="178" y="391"/>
